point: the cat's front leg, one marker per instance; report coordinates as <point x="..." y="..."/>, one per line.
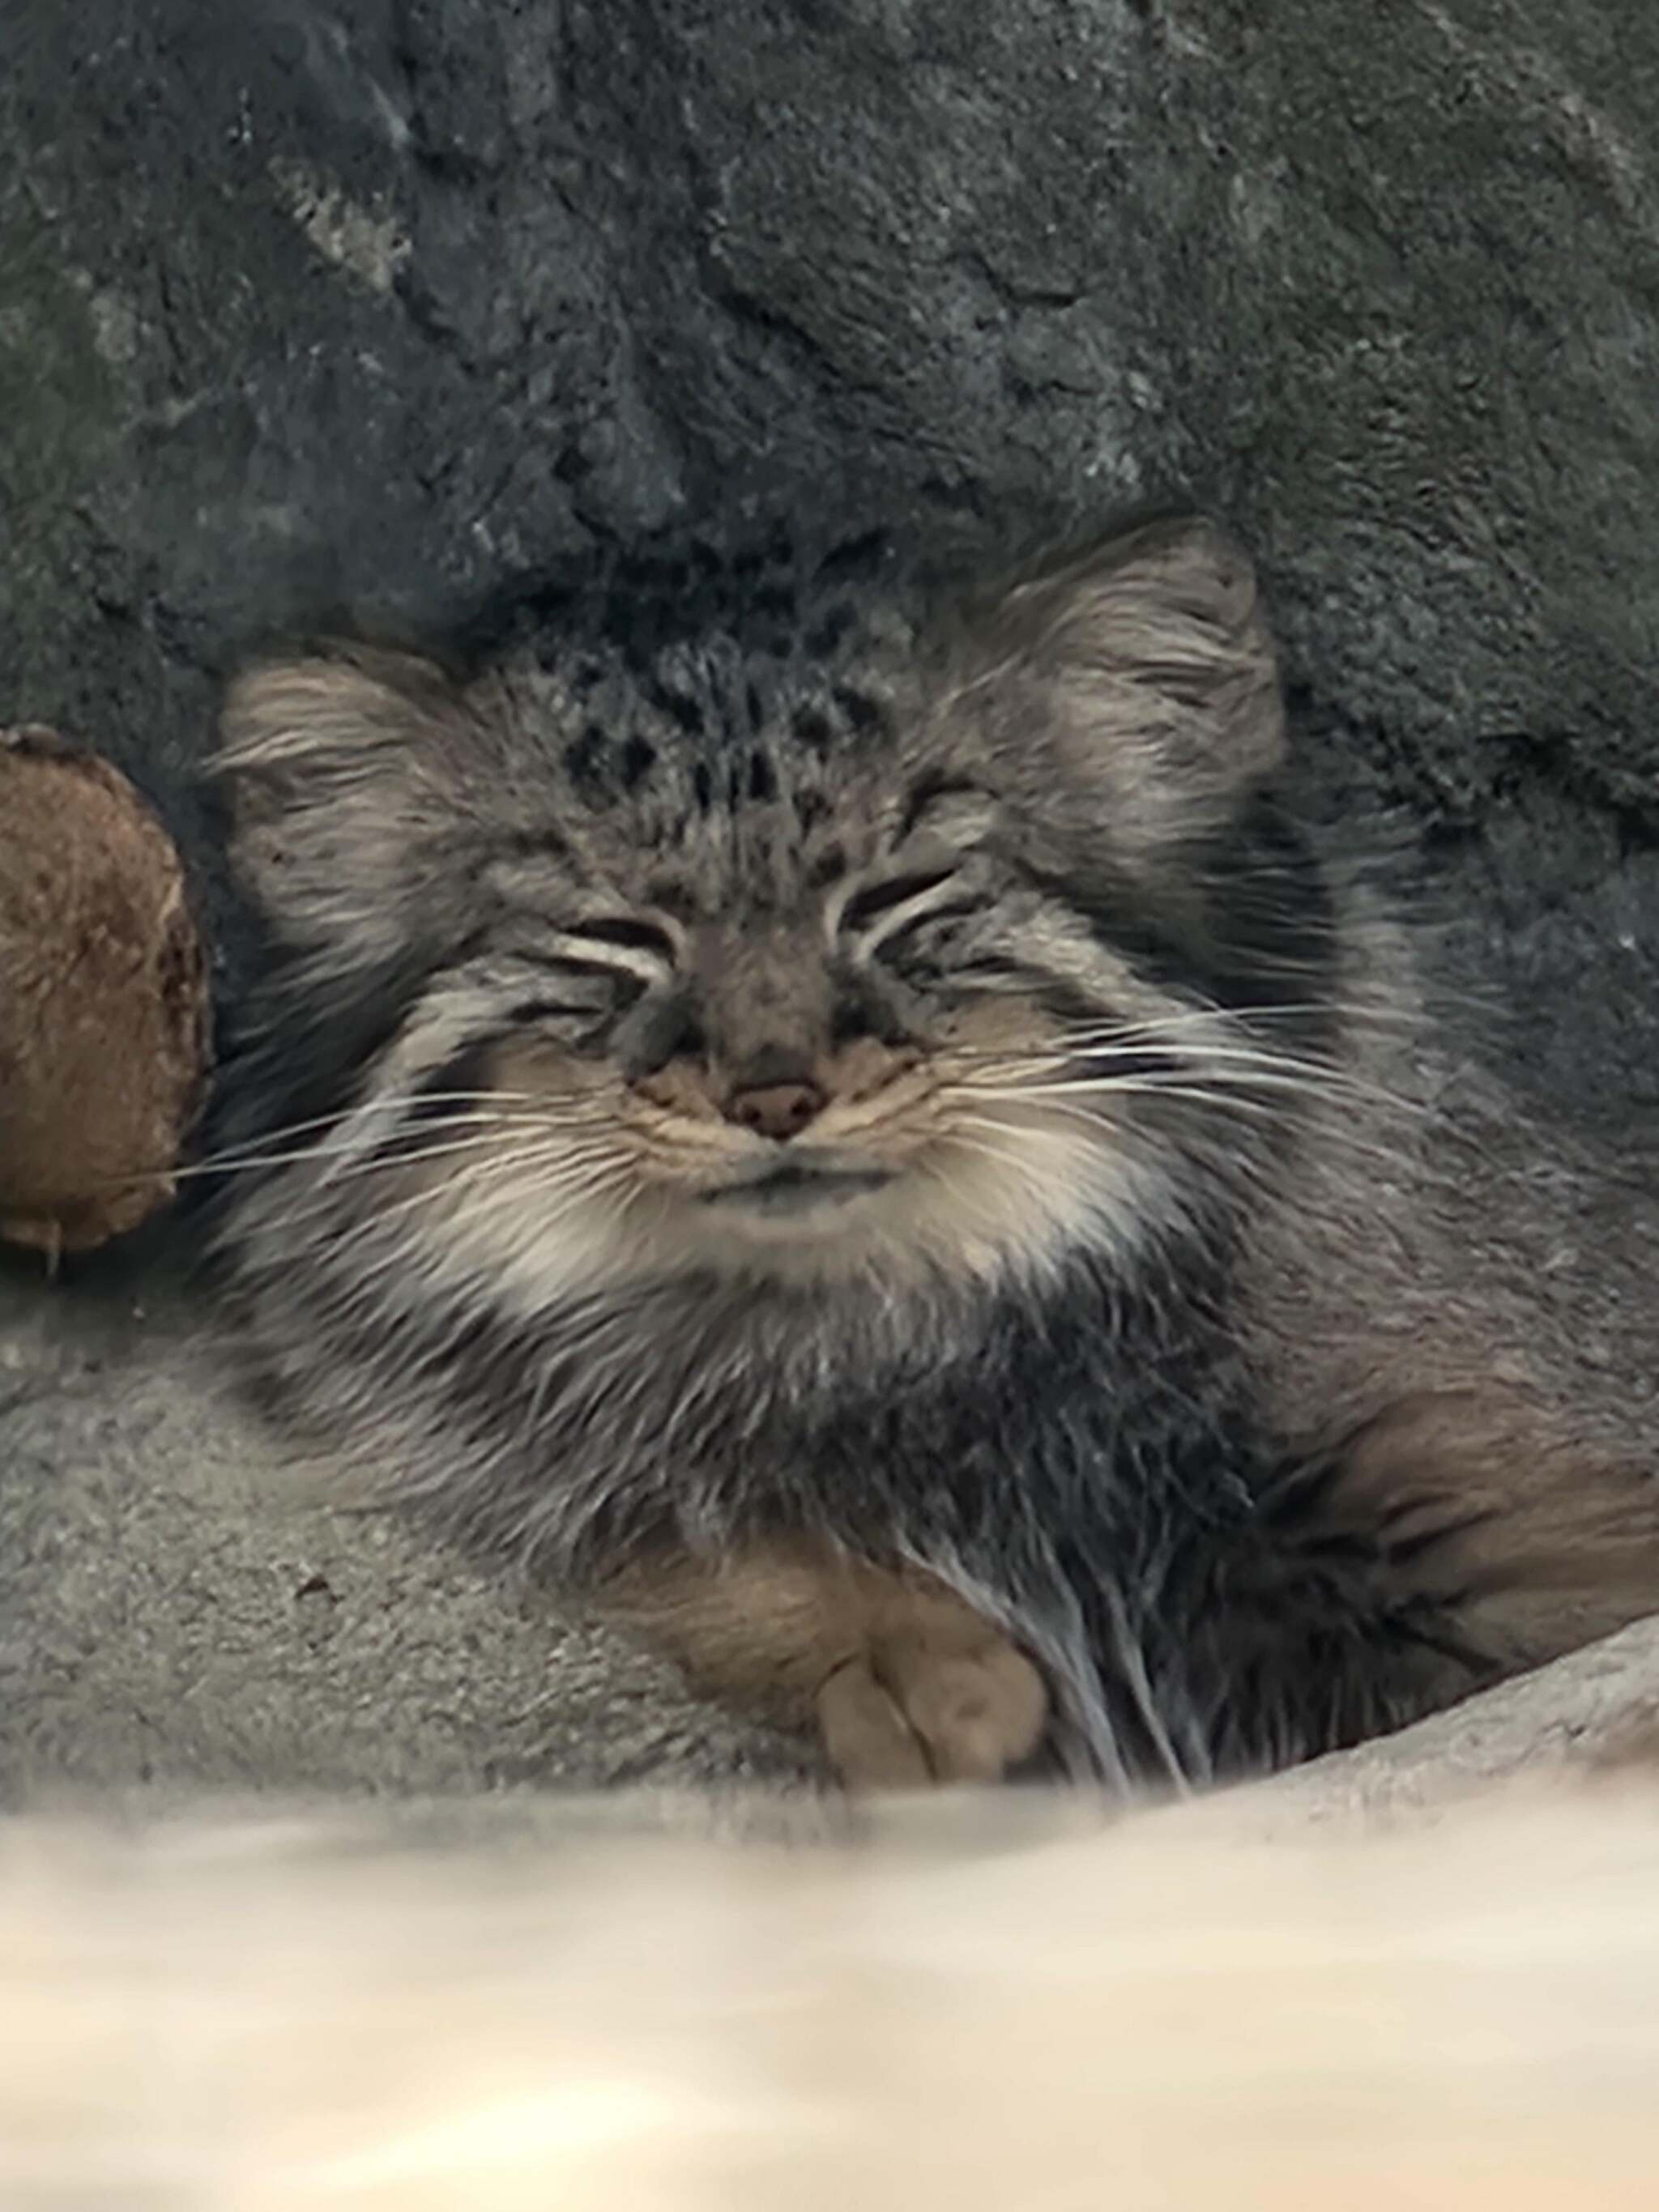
<point x="902" y="1683"/>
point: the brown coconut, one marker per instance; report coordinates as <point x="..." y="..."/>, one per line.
<point x="104" y="1031"/>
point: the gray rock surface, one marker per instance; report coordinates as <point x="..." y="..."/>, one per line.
<point x="395" y="306"/>
<point x="177" y="1613"/>
<point x="1595" y="1711"/>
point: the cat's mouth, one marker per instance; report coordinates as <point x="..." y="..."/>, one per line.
<point x="798" y="1186"/>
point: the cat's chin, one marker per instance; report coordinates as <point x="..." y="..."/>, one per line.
<point x="794" y="1192"/>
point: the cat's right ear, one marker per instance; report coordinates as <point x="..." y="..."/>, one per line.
<point x="334" y="765"/>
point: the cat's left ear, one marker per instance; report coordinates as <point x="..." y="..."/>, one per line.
<point x="1144" y="672"/>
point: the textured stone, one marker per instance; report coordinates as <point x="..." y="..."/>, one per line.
<point x="1594" y="1712"/>
<point x="388" y="308"/>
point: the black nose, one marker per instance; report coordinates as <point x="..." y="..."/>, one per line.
<point x="779" y="1110"/>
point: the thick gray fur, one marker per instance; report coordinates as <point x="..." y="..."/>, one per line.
<point x="1149" y="1343"/>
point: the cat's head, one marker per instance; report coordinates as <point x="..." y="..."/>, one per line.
<point x="910" y="953"/>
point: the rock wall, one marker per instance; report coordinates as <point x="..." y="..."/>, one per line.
<point x="387" y="306"/>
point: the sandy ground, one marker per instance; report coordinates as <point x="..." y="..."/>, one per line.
<point x="173" y="1613"/>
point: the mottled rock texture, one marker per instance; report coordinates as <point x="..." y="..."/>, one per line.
<point x="395" y="307"/>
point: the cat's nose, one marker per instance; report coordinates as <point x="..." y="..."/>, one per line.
<point x="779" y="1110"/>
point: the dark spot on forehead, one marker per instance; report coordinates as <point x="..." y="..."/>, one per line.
<point x="811" y="726"/>
<point x="775" y="603"/>
<point x="639" y="757"/>
<point x="679" y="706"/>
<point x="830" y="631"/>
<point x="854" y="556"/>
<point x="864" y="716"/>
<point x="763" y="783"/>
<point x="585" y="761"/>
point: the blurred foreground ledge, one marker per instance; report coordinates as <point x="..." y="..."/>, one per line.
<point x="1304" y="1993"/>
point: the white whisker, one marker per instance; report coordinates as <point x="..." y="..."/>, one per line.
<point x="254" y="1163"/>
<point x="1241" y="1070"/>
<point x="1266" y="1113"/>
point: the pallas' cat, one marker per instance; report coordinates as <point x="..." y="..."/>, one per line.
<point x="833" y="1128"/>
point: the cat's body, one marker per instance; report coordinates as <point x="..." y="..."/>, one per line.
<point x="816" y="1134"/>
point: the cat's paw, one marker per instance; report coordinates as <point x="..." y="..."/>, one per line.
<point x="949" y="1702"/>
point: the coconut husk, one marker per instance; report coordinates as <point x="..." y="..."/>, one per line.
<point x="104" y="1028"/>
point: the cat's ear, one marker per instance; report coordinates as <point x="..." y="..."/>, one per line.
<point x="1149" y="669"/>
<point x="334" y="764"/>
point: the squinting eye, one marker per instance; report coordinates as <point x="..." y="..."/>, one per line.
<point x="868" y="906"/>
<point x="629" y="934"/>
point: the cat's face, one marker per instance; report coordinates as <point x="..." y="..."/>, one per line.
<point x="906" y="956"/>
